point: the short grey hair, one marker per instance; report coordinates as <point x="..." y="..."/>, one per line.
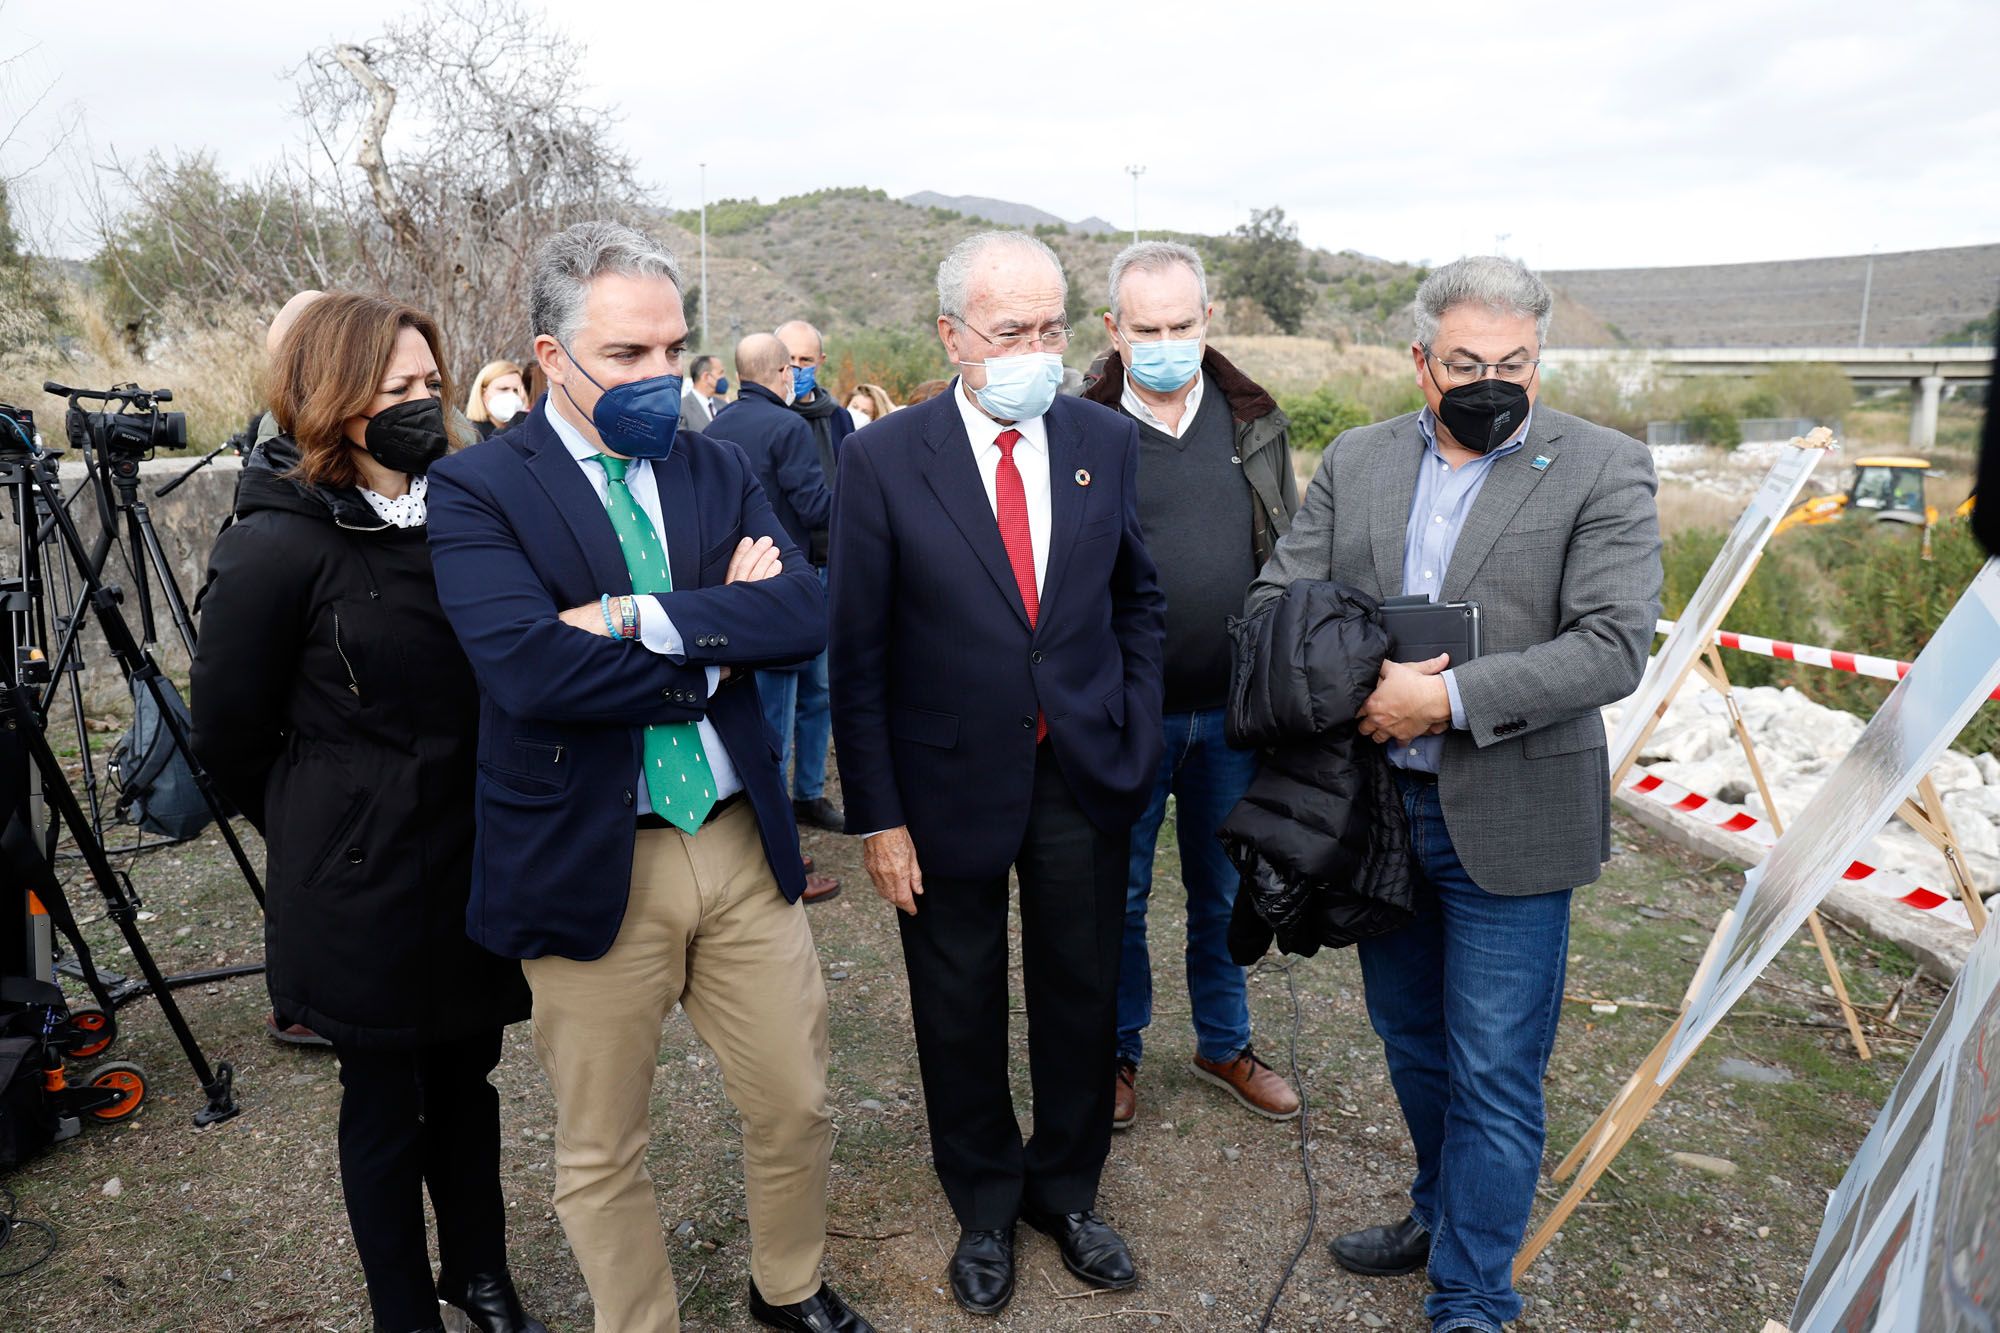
<point x="955" y="273"/>
<point x="1494" y="281"/>
<point x="568" y="261"/>
<point x="1155" y="257"/>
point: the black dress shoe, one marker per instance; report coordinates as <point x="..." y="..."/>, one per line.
<point x="1090" y="1248"/>
<point x="820" y="813"/>
<point x="982" y="1271"/>
<point x="1383" y="1251"/>
<point x="821" y="1312"/>
<point x="490" y="1302"/>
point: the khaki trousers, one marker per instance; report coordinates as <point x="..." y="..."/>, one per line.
<point x="707" y="928"/>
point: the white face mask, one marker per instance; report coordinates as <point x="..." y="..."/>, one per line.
<point x="1019" y="388"/>
<point x="860" y="414"/>
<point x="504" y="406"/>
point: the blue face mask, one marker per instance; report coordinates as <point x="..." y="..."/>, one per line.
<point x="1019" y="388"/>
<point x="1166" y="365"/>
<point x="721" y="385"/>
<point x="638" y="419"/>
<point x="804" y="380"/>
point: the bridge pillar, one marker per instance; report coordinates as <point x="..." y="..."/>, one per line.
<point x="1926" y="390"/>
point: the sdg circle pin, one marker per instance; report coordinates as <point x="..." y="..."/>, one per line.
<point x="1083" y="476"/>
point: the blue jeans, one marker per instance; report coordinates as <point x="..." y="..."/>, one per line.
<point x="1207" y="779"/>
<point x="796" y="704"/>
<point x="1466" y="1000"/>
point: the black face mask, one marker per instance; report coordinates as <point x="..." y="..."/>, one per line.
<point x="408" y="437"/>
<point x="1482" y="414"/>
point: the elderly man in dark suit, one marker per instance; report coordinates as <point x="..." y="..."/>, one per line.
<point x="996" y="623"/>
<point x="615" y="580"/>
<point x="1549" y="524"/>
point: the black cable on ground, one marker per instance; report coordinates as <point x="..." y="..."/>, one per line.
<point x="1305" y="1157"/>
<point x="11" y="1230"/>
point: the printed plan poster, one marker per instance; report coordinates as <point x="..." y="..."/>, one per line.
<point x="1953" y="675"/>
<point x="1911" y="1240"/>
<point x="1694" y="629"/>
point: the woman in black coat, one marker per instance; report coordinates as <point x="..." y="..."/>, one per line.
<point x="334" y="704"/>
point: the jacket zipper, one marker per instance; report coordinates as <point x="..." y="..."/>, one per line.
<point x="352" y="684"/>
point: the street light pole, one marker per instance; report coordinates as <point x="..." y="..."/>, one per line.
<point x="1135" y="172"/>
<point x="704" y="256"/>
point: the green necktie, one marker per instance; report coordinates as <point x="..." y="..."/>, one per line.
<point x="678" y="780"/>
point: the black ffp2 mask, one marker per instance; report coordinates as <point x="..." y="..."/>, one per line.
<point x="1483" y="414"/>
<point x="408" y="437"/>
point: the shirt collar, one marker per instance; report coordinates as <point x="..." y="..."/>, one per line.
<point x="582" y="450"/>
<point x="983" y="430"/>
<point x="1427" y="427"/>
<point x="1136" y="407"/>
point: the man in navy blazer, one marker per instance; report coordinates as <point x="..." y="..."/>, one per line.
<point x="595" y="864"/>
<point x="995" y="622"/>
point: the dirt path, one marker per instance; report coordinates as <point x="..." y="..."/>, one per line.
<point x="240" y="1227"/>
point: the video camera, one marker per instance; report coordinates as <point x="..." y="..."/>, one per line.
<point x="17" y="434"/>
<point x="132" y="430"/>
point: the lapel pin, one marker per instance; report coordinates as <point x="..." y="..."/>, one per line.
<point x="1541" y="463"/>
<point x="1083" y="476"/>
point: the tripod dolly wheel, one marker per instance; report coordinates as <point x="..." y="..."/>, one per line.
<point x="92" y="1032"/>
<point x="124" y="1078"/>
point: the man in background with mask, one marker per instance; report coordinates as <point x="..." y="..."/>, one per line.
<point x="831" y="423"/>
<point x="1548" y="523"/>
<point x="706" y="394"/>
<point x="1216" y="491"/>
<point x="635" y="847"/>
<point x="780" y="448"/>
<point x="996" y="624"/>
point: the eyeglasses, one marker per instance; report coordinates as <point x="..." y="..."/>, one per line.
<point x="1465" y="372"/>
<point x="1052" y="339"/>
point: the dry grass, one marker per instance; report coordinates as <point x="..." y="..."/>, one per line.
<point x="1286" y="365"/>
<point x="212" y="370"/>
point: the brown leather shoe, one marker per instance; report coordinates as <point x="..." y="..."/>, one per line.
<point x="819" y="889"/>
<point x="1251" y="1082"/>
<point x="1125" y="1096"/>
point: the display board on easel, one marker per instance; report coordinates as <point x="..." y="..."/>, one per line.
<point x="1908" y="1242"/>
<point x="1954" y="674"/>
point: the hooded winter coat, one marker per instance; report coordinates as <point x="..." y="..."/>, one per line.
<point x="332" y="702"/>
<point x="1320" y="838"/>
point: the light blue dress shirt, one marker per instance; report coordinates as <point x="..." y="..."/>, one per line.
<point x="1438" y="511"/>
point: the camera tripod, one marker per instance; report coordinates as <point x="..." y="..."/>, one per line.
<point x="29" y="681"/>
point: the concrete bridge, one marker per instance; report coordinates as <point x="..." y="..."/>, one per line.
<point x="1925" y="369"/>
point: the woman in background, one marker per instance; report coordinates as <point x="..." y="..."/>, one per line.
<point x="332" y="702"/>
<point x="498" y="398"/>
<point x="869" y="402"/>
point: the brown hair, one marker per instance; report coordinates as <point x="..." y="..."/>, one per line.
<point x="926" y="391"/>
<point x="328" y="370"/>
<point x="878" y="399"/>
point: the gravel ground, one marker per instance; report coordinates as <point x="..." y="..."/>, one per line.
<point x="240" y="1226"/>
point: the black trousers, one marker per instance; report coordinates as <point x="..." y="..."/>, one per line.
<point x="409" y="1120"/>
<point x="955" y="950"/>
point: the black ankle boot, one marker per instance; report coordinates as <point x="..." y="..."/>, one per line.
<point x="490" y="1302"/>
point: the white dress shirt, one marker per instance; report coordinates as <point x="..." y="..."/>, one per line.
<point x="656" y="628"/>
<point x="1031" y="460"/>
<point x="1137" y="408"/>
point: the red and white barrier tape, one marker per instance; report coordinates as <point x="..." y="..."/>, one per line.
<point x="1859" y="664"/>
<point x="1645" y="785"/>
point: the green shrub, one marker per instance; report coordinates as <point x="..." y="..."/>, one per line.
<point x="1321" y="415"/>
<point x="897" y="359"/>
<point x="1713" y="421"/>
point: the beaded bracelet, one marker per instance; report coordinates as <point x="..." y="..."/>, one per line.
<point x="610" y="626"/>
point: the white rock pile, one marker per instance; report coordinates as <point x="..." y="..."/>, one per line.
<point x="1799" y="743"/>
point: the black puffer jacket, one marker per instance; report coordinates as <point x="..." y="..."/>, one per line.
<point x="333" y="703"/>
<point x="1320" y="838"/>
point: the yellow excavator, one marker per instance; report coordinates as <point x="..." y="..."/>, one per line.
<point x="1887" y="487"/>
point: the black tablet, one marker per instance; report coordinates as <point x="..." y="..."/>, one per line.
<point x="1420" y="629"/>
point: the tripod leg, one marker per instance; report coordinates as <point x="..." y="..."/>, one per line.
<point x="163" y="569"/>
<point x="217" y="1083"/>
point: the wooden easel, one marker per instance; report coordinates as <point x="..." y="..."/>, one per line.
<point x="1924" y="812"/>
<point x="1709" y="667"/>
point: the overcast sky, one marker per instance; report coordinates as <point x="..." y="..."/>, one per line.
<point x="1589" y="135"/>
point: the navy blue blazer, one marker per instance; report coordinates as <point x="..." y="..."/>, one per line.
<point x="781" y="448"/>
<point x="937" y="677"/>
<point x="517" y="536"/>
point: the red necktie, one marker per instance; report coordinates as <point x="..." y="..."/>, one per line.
<point x="1012" y="507"/>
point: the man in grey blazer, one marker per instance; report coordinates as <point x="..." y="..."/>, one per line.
<point x="1548" y="523"/>
<point x="703" y="396"/>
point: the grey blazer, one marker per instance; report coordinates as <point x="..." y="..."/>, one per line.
<point x="694" y="413"/>
<point x="1564" y="561"/>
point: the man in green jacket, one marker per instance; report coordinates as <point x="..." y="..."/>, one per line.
<point x="1216" y="491"/>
